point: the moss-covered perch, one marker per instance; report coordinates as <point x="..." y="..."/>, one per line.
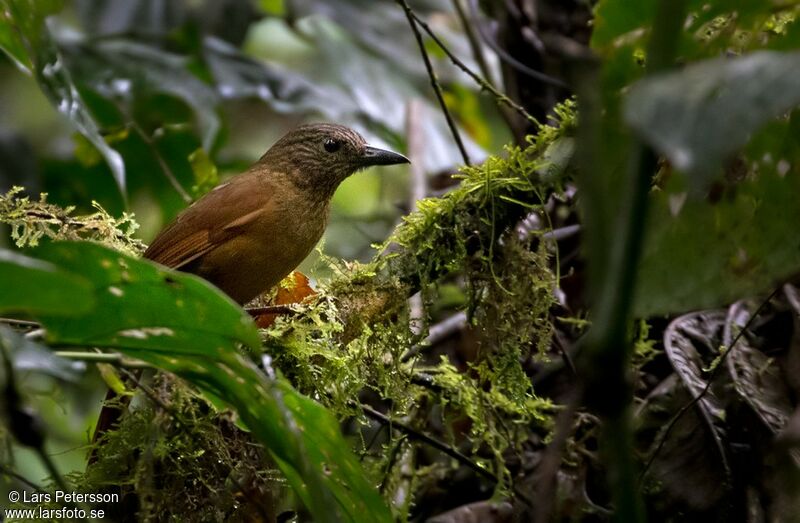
<point x="352" y="337"/>
<point x="447" y="234"/>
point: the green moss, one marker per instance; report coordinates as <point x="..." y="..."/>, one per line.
<point x="31" y="220"/>
<point x="188" y="460"/>
<point x="509" y="288"/>
<point x="644" y="348"/>
<point x="351" y="340"/>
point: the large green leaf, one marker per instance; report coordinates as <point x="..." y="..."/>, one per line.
<point x="21" y="25"/>
<point x="32" y="286"/>
<point x="182" y="324"/>
<point x="699" y="116"/>
<point x="12" y="44"/>
<point x="138" y="304"/>
<point x="24" y="28"/>
<point x="703" y="253"/>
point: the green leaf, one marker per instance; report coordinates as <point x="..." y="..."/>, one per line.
<point x="619" y="22"/>
<point x="701" y="115"/>
<point x="206" y="176"/>
<point x="12" y="44"/>
<point x="182" y="324"/>
<point x="31" y="286"/>
<point x="615" y="18"/>
<point x="273" y="7"/>
<point x="704" y="253"/>
<point x="140" y="304"/>
<point x="26" y="20"/>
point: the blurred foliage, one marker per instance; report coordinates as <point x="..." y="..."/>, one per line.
<point x="735" y="210"/>
<point x="716" y="228"/>
<point x="164" y="79"/>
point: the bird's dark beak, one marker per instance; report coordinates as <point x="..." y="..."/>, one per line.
<point x="375" y="156"/>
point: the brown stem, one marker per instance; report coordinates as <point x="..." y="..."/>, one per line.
<point x="434" y="81"/>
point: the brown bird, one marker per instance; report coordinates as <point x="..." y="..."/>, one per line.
<point x="250" y="232"/>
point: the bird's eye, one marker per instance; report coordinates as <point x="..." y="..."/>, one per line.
<point x="332" y="145"/>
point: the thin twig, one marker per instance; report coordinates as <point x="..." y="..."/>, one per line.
<point x="150" y="143"/>
<point x="477" y="53"/>
<point x="510" y="60"/>
<point x="564" y="348"/>
<point x="391" y="461"/>
<point x="165" y="168"/>
<point x="135" y="378"/>
<point x="19" y="323"/>
<point x="50" y="465"/>
<point x="22" y="479"/>
<point x="441" y="446"/>
<point x="111" y="358"/>
<point x="562" y="233"/>
<point x="434" y="81"/>
<point x="482" y="82"/>
<point x="419" y="190"/>
<point x="474" y="43"/>
<point x="437" y="334"/>
<point x="270" y="309"/>
<point x="696" y="399"/>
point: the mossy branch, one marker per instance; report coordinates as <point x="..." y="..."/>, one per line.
<point x="445" y="232"/>
<point x="30" y="220"/>
<point x="352" y="338"/>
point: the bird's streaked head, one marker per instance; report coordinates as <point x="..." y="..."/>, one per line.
<point x="318" y="157"/>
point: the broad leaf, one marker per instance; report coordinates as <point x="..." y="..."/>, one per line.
<point x="701" y="115"/>
<point x="740" y="241"/>
<point x="125" y="70"/>
<point x="239" y="76"/>
<point x="32" y="286"/>
<point x="757" y="378"/>
<point x="111" y="17"/>
<point x="138" y="304"/>
<point x="272" y="7"/>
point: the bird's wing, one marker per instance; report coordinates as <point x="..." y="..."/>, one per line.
<point x="220" y="215"/>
